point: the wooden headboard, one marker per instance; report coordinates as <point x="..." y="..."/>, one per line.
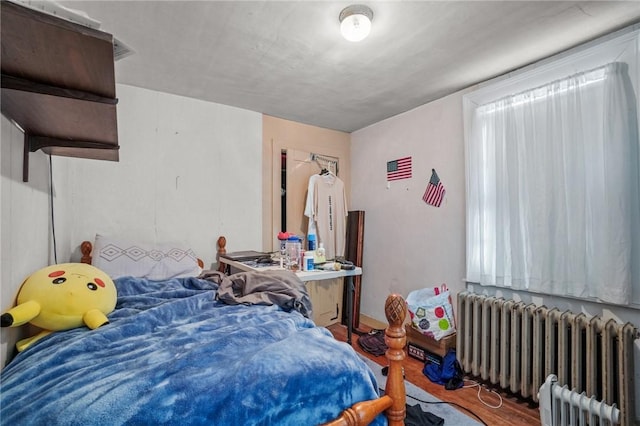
<point x="222" y="249"/>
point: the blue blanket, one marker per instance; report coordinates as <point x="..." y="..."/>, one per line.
<point x="172" y="354"/>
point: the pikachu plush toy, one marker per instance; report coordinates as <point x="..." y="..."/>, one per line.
<point x="62" y="297"/>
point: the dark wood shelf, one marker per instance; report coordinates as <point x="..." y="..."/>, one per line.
<point x="58" y="84"/>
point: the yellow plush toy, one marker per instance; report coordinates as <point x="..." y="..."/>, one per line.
<point x="61" y="297"/>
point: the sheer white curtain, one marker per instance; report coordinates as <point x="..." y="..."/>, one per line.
<point x="552" y="188"/>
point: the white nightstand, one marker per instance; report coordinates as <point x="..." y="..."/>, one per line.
<point x="326" y="296"/>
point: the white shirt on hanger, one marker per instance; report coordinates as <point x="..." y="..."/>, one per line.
<point x="326" y="208"/>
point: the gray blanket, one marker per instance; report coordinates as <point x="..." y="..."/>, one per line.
<point x="282" y="288"/>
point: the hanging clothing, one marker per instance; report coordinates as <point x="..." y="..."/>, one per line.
<point x="327" y="206"/>
<point x="308" y="208"/>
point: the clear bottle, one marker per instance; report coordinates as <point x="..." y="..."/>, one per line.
<point x="321" y="254"/>
<point x="293" y="253"/>
<point x="283" y="237"/>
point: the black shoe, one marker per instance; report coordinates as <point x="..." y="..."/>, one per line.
<point x="385" y="371"/>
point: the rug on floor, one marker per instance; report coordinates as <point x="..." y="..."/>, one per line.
<point x="449" y="413"/>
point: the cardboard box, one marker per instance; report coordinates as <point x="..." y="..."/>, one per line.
<point x="436" y="347"/>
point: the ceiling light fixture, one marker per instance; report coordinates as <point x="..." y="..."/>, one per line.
<point x="355" y="22"/>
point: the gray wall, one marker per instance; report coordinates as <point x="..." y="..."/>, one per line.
<point x="408" y="244"/>
<point x="189" y="172"/>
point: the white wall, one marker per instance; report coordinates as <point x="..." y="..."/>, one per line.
<point x="24" y="228"/>
<point x="189" y="171"/>
<point x="408" y="244"/>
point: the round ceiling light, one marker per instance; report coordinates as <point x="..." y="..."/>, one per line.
<point x="355" y="22"/>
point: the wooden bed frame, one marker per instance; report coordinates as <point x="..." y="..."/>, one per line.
<point x="362" y="413"/>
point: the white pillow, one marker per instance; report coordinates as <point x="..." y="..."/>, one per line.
<point x="119" y="258"/>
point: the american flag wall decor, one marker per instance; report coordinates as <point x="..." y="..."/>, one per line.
<point x="399" y="169"/>
<point x="434" y="193"/>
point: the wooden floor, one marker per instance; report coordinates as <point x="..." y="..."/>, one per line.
<point x="513" y="411"/>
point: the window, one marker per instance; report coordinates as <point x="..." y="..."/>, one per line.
<point x="553" y="181"/>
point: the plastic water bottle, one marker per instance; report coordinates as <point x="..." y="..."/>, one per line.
<point x="311" y="242"/>
<point x="283" y="237"/>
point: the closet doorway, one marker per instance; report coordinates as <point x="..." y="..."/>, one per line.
<point x="296" y="167"/>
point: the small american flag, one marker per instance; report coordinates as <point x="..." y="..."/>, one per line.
<point x="399" y="169"/>
<point x="435" y="191"/>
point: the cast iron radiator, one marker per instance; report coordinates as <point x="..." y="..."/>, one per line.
<point x="516" y="346"/>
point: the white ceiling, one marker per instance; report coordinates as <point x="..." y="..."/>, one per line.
<point x="287" y="58"/>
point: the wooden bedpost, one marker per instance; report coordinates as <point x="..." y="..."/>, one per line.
<point x="395" y="337"/>
<point x="222" y="250"/>
<point x="85" y="249"/>
<point x="394" y="400"/>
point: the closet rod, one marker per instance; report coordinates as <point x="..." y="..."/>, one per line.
<point x="330" y="160"/>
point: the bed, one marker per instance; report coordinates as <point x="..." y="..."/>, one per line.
<point x="174" y="353"/>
